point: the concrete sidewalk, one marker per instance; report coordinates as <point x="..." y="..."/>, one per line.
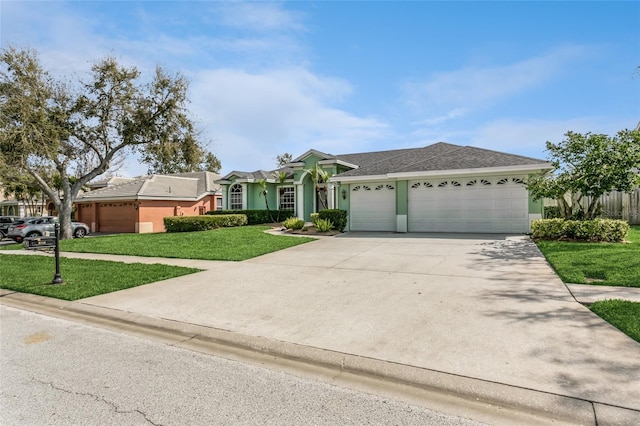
<point x="478" y="315"/>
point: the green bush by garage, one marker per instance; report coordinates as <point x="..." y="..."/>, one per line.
<point x="257" y="217"/>
<point x="596" y="230"/>
<point x="203" y="223"/>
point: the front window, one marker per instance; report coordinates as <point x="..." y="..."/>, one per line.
<point x="235" y="197"/>
<point x="218" y="203"/>
<point x="287" y="198"/>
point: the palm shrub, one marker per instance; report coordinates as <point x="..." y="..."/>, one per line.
<point x="293" y="223"/>
<point x="337" y="216"/>
<point x="324" y="225"/>
<point x="314" y="218"/>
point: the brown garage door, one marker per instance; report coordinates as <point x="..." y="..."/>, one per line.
<point x="117" y="217"/>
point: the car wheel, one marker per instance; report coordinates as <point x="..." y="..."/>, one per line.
<point x="2" y="235"/>
<point x="80" y="233"/>
<point x="33" y="234"/>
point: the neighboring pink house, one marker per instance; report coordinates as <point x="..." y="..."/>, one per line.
<point x="139" y="205"/>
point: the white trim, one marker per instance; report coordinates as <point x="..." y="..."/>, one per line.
<point x="475" y="171"/>
<point x="369" y="178"/>
<point x="308" y="153"/>
<point x="225" y="196"/>
<point x="245" y="196"/>
<point x="338" y="161"/>
<point x="278" y="188"/>
<point x="331" y="196"/>
<point x="479" y="171"/>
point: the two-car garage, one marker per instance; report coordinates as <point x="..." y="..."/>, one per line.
<point x="476" y="204"/>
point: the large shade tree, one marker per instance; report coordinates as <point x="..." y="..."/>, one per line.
<point x="81" y="131"/>
<point x="588" y="165"/>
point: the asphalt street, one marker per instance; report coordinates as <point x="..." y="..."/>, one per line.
<point x="56" y="372"/>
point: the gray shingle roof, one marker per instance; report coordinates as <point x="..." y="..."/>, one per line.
<point x="190" y="186"/>
<point x="439" y="156"/>
<point x="260" y="174"/>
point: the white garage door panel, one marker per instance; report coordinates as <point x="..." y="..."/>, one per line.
<point x="485" y="205"/>
<point x="373" y="207"/>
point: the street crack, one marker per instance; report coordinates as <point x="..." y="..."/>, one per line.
<point x="101" y="399"/>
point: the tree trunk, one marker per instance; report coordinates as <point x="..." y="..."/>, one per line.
<point x="565" y="208"/>
<point x="64" y="213"/>
<point x="592" y="210"/>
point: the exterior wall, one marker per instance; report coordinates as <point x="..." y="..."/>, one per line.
<point x="309" y="194"/>
<point x="402" y="205"/>
<point x="141" y="216"/>
<point x="152" y="212"/>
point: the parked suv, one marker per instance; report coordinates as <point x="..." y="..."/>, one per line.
<point x="5" y="222"/>
<point x="39" y="226"/>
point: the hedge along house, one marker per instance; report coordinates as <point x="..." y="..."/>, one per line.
<point x="139" y="205"/>
<point x="437" y="188"/>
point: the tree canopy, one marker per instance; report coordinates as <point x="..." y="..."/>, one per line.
<point x="588" y="165"/>
<point x="283" y="159"/>
<point x="81" y="131"/>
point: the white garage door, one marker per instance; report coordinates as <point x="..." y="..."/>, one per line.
<point x="486" y="204"/>
<point x="373" y="207"/>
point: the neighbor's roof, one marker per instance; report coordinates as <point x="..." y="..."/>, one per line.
<point x="259" y="175"/>
<point x="183" y="186"/>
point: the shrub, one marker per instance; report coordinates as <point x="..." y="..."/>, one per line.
<point x="314" y="218"/>
<point x="336" y="216"/>
<point x="293" y="223"/>
<point x="606" y="230"/>
<point x="256" y="217"/>
<point x="203" y="223"/>
<point x="324" y="225"/>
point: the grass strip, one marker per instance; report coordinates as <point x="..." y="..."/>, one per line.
<point x="236" y="244"/>
<point x="622" y="314"/>
<point x="82" y="278"/>
<point x="610" y="264"/>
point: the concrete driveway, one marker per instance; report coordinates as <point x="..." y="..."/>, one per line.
<point x="480" y="306"/>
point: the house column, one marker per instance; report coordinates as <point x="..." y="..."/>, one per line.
<point x="245" y="196"/>
<point x="299" y="201"/>
<point x="331" y="200"/>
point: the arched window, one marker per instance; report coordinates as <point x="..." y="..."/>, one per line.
<point x="235" y="197"/>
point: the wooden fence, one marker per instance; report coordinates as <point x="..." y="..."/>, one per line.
<point x="615" y="205"/>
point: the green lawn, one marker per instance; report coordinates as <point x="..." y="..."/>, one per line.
<point x="622" y="314"/>
<point x="239" y="243"/>
<point x="596" y="263"/>
<point x="82" y="278"/>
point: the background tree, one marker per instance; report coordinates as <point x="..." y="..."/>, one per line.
<point x="82" y="131"/>
<point x="588" y="165"/>
<point x="284" y="159"/>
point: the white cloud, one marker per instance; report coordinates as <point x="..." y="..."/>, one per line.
<point x="256" y="16"/>
<point x="254" y="117"/>
<point x="528" y="137"/>
<point x="448" y="95"/>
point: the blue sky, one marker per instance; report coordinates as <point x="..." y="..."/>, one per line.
<point x="342" y="77"/>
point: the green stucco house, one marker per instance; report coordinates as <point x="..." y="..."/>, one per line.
<point x="437" y="188"/>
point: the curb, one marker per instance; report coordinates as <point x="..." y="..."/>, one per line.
<point x="482" y="400"/>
